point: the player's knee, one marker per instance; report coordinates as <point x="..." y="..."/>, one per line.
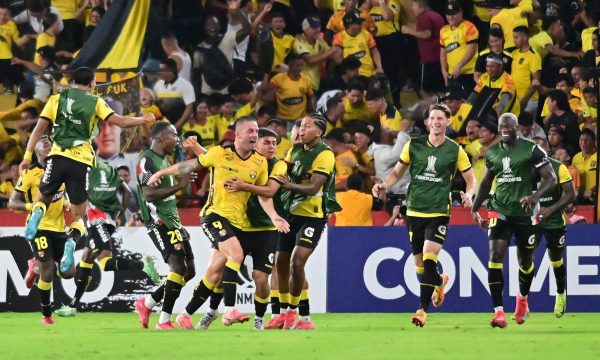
<point x="177" y="265"/>
<point x="190" y="272"/>
<point x="237" y="257"/>
<point x="297" y="265"/>
<point x="260" y="278"/>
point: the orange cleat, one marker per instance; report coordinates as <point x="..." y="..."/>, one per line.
<point x="234" y="316"/>
<point x="290" y="320"/>
<point x="165" y="326"/>
<point x="521" y="310"/>
<point x="304" y="325"/>
<point x="499" y="320"/>
<point x="32" y="273"/>
<point x="143" y="312"/>
<point x="419" y="318"/>
<point x="184" y="321"/>
<point x="276" y="322"/>
<point x="47" y="320"/>
<point x="438" y="292"/>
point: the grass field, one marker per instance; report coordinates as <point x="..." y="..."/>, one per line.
<point x="338" y="336"/>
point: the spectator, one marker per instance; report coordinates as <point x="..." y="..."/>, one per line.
<point x="9" y="181"/>
<point x="390" y="119"/>
<point x="344" y="156"/>
<point x="48" y="37"/>
<point x="356" y="205"/>
<point x="477" y="149"/>
<point x="556" y="139"/>
<point x="509" y="19"/>
<point x="71" y="13"/>
<point x="147" y="104"/>
<point x="526" y="71"/>
<point x="566" y="84"/>
<point x="9" y="74"/>
<point x="528" y="128"/>
<point x="264" y="114"/>
<point x="313" y="49"/>
<point x="398" y="217"/>
<point x="175" y="95"/>
<point x="357" y="42"/>
<point x="333" y="111"/>
<point x="224" y="119"/>
<point x="586" y="163"/>
<point x="284" y="144"/>
<point x="283" y="43"/>
<point x="590" y="109"/>
<point x="241" y="67"/>
<point x="459" y="46"/>
<point x="496" y="46"/>
<point x="34" y="15"/>
<point x="133" y="205"/>
<point x="454" y="99"/>
<point x="346" y="71"/>
<point x="571" y="214"/>
<point x="563" y="117"/>
<point x="355" y="106"/>
<point x="386" y="157"/>
<point x="591" y="20"/>
<point x="427" y="32"/>
<point x="184" y="61"/>
<point x="366" y="163"/>
<point x="243" y="93"/>
<point x="336" y="22"/>
<point x="10" y="149"/>
<point x="563" y="156"/>
<point x="591" y="58"/>
<point x="203" y="125"/>
<point x="544" y="43"/>
<point x="496" y="78"/>
<point x="96" y="15"/>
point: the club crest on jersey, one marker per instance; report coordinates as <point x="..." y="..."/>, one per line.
<point x="41" y="254"/>
<point x="252" y="174"/>
<point x="431" y="164"/>
<point x="506" y="165"/>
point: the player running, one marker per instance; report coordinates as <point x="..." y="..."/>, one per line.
<point x="223" y="214"/>
<point x="512" y="210"/>
<point x="310" y="198"/>
<point x="432" y="161"/>
<point x="104" y="214"/>
<point x="49" y="240"/>
<point x="158" y="209"/>
<point x="74" y="115"/>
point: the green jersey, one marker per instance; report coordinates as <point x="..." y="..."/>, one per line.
<point x="104" y="182"/>
<point x="558" y="219"/>
<point x="258" y="220"/>
<point x="514" y="168"/>
<point x="432" y="169"/>
<point x="164" y="210"/>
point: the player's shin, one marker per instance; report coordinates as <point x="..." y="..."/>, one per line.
<point x="260" y="305"/>
<point x="202" y="292"/>
<point x="275" y="306"/>
<point x="560" y="272"/>
<point x="172" y="289"/>
<point x="229" y="283"/>
<point x="431" y="279"/>
<point x="525" y="279"/>
<point x="496" y="283"/>
<point x="82" y="280"/>
<point x="44" y="288"/>
<point x="117" y="264"/>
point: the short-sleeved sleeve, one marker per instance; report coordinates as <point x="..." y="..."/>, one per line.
<point x="538" y="157"/>
<point x="51" y="108"/>
<point x="405" y="154"/>
<point x="309" y="87"/>
<point x="372" y="42"/>
<point x="279" y="169"/>
<point x="563" y="174"/>
<point x="471" y="33"/>
<point x="189" y="96"/>
<point x="211" y="157"/>
<point x="103" y="111"/>
<point x="462" y="161"/>
<point x="24" y="182"/>
<point x="479" y="86"/>
<point x="536" y="63"/>
<point x="324" y="163"/>
<point x="145" y="170"/>
<point x="276" y="81"/>
<point x="288" y="156"/>
<point x="338" y="40"/>
<point x="15" y="32"/>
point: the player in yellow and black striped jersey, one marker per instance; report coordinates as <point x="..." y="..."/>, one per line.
<point x="49" y="240"/>
<point x="223" y="214"/>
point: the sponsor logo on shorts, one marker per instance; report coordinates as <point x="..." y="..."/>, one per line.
<point x="562" y="240"/>
<point x="309" y="231"/>
<point x="442" y="229"/>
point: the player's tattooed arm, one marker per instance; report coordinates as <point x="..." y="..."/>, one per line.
<point x="152" y="193"/>
<point x="548" y="183"/>
<point x="179" y="169"/>
<point x="268" y="190"/>
<point x="568" y="196"/>
<point x="317" y="180"/>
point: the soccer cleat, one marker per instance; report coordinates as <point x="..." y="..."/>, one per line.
<point x="184" y="321"/>
<point x="32" y="272"/>
<point x="66" y="311"/>
<point x="67" y="260"/>
<point x="33" y="223"/>
<point x="560" y="304"/>
<point x="499" y="320"/>
<point x="521" y="310"/>
<point x="304" y="325"/>
<point x="206" y="320"/>
<point x="258" y="323"/>
<point x="290" y="320"/>
<point x="438" y="292"/>
<point x="234" y="316"/>
<point x="47" y="320"/>
<point x="419" y="318"/>
<point x="275" y="322"/>
<point x="165" y="326"/>
<point x="150" y="269"/>
<point x="143" y="312"/>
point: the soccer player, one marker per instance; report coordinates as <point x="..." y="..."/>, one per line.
<point x="512" y="210"/>
<point x="158" y="209"/>
<point x="49" y="240"/>
<point x="553" y="226"/>
<point x="432" y="161"/>
<point x="312" y="172"/>
<point x="104" y="213"/>
<point x="74" y="114"/>
<point x="223" y="214"/>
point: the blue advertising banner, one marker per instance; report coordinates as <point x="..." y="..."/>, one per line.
<point x="372" y="270"/>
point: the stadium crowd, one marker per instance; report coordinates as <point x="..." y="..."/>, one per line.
<point x="372" y="68"/>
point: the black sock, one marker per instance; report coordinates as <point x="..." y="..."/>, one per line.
<point x="496" y="285"/>
<point x="275" y="306"/>
<point x="304" y="308"/>
<point x="172" y="290"/>
<point x="83" y="279"/>
<point x="44" y="289"/>
<point x="215" y="299"/>
<point x="158" y="294"/>
<point x="560" y="273"/>
<point x="117" y="264"/>
<point x="525" y="279"/>
<point x="229" y="282"/>
<point x="260" y="305"/>
<point x="201" y="293"/>
<point x="431" y="279"/>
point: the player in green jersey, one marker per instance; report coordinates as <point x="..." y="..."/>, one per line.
<point x="158" y="208"/>
<point x="432" y="161"/>
<point x="104" y="214"/>
<point x="512" y="210"/>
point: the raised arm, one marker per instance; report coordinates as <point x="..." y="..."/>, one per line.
<point x="130" y="121"/>
<point x="38" y="131"/>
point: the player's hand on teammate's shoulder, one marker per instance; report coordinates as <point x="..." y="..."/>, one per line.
<point x="24" y="165"/>
<point x="283" y="180"/>
<point x="235" y="184"/>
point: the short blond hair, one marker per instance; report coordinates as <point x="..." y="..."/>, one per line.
<point x="148" y="92"/>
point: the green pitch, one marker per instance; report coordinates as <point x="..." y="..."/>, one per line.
<point x="338" y="336"/>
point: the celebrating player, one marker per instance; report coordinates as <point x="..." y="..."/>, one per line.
<point x="49" y="240"/>
<point x="104" y="214"/>
<point x="432" y="161"/>
<point x="223" y="214"/>
<point x="512" y="210"/>
<point x="73" y="114"/>
<point x="159" y="212"/>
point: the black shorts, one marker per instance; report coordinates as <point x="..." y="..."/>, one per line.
<point x="431" y="78"/>
<point x="171" y="242"/>
<point x="218" y="229"/>
<point x="421" y="229"/>
<point x="304" y="231"/>
<point x="260" y="245"/>
<point x="555" y="238"/>
<point x="61" y="170"/>
<point x="49" y="245"/>
<point x="522" y="227"/>
<point x="100" y="237"/>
